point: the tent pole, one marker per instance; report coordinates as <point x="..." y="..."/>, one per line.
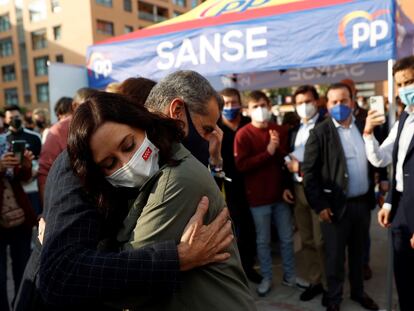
<point x="391" y="100"/>
<point x="391" y="121"/>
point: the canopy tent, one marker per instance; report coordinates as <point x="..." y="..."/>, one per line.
<point x="254" y="40"/>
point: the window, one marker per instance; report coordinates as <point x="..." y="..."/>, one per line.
<point x="37" y="10"/>
<point x="8" y="73"/>
<point x="161" y="14"/>
<point x="127" y="5"/>
<point x="56" y="8"/>
<point x="179" y="2"/>
<point x="59" y="58"/>
<point x="6" y="47"/>
<point x="146" y="11"/>
<point x="175" y="13"/>
<point x="151" y="12"/>
<point x="40" y="65"/>
<point x="194" y="3"/>
<point x="57" y="32"/>
<point x="105" y="27"/>
<point x="11" y="97"/>
<point x="128" y="29"/>
<point x="107" y="3"/>
<point x="39" y="39"/>
<point x="42" y="91"/>
<point x="4" y="22"/>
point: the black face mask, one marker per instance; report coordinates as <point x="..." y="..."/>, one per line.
<point x="40" y="124"/>
<point x="196" y="144"/>
<point x="16" y="123"/>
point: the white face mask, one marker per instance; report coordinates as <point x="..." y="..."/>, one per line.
<point x="261" y="114"/>
<point x="406" y="94"/>
<point x="143" y="164"/>
<point x="306" y="110"/>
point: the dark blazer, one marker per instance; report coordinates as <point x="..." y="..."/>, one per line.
<point x="73" y="272"/>
<point x="325" y="171"/>
<point x="408" y="173"/>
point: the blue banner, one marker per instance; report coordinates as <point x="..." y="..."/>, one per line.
<point x="356" y="32"/>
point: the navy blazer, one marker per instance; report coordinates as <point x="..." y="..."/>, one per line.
<point x="73" y="272"/>
<point x="408" y="179"/>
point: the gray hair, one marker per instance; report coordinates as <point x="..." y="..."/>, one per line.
<point x="191" y="87"/>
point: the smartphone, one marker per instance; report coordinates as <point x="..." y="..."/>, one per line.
<point x="18" y="148"/>
<point x="377" y="103"/>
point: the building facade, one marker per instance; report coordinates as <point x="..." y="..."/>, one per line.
<point x="36" y="32"/>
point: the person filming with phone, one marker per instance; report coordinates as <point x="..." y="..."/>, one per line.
<point x="17" y="131"/>
<point x="16" y="214"/>
<point x="398" y="149"/>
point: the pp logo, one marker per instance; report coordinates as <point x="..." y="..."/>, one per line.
<point x="147" y="153"/>
<point x="369" y="30"/>
<point x="99" y="65"/>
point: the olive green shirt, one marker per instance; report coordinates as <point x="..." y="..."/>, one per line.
<point x="162" y="210"/>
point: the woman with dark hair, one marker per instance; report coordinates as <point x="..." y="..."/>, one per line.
<point x="136" y="89"/>
<point x="115" y="145"/>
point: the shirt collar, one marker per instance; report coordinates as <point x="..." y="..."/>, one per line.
<point x="311" y="121"/>
<point x="409" y="111"/>
<point x="338" y="125"/>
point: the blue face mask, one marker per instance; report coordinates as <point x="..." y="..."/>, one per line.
<point x="231" y="113"/>
<point x="340" y="112"/>
<point x="407" y="94"/>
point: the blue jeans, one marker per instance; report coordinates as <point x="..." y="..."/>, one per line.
<point x="282" y="218"/>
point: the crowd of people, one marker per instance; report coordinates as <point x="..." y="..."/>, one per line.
<point x="165" y="196"/>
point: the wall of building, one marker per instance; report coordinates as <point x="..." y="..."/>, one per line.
<point x="78" y="22"/>
<point x="8" y="9"/>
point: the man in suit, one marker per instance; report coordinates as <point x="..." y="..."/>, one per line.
<point x="398" y="149"/>
<point x="306" y="100"/>
<point x="339" y="187"/>
<point x="360" y="114"/>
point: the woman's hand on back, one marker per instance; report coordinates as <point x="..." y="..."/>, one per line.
<point x="204" y="244"/>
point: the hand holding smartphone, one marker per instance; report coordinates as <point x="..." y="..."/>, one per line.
<point x="377" y="103"/>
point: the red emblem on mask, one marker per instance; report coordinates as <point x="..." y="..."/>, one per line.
<point x="147" y="153"/>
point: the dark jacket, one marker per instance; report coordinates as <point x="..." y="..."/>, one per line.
<point x="32" y="139"/>
<point x="235" y="190"/>
<point x="73" y="273"/>
<point x="165" y="204"/>
<point x="20" y="175"/>
<point x="325" y="171"/>
<point x="408" y="173"/>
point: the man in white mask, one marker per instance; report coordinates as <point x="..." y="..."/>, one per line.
<point x="306" y="99"/>
<point x="259" y="149"/>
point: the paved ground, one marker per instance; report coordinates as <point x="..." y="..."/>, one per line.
<point x="283" y="298"/>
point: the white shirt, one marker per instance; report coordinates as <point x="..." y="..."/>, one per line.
<point x="356" y="160"/>
<point x="381" y="156"/>
<point x="300" y="142"/>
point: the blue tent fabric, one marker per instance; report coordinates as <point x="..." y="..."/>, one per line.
<point x="351" y="32"/>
